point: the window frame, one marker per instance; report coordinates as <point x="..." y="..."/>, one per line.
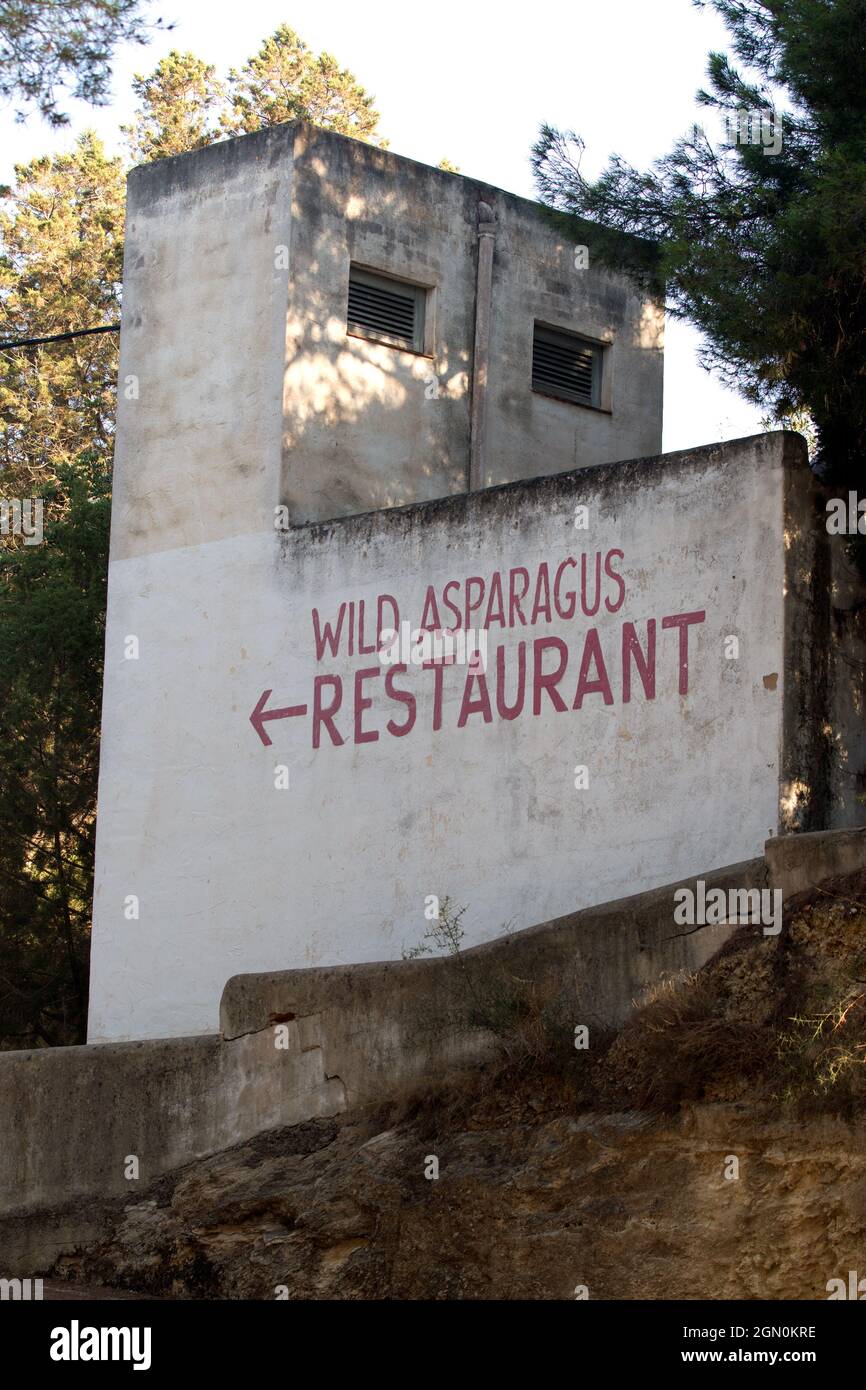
<point x="364" y="274"/>
<point x="600" y="394"/>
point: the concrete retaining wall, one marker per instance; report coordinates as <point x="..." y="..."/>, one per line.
<point x="72" y="1117"/>
<point x="388" y="1027"/>
<point x="798" y="862"/>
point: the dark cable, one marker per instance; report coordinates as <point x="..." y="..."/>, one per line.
<point x="61" y="337"/>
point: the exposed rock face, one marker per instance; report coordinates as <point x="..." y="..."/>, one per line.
<point x="747" y="1182"/>
<point x="628" y="1206"/>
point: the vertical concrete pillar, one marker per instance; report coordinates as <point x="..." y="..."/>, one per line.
<point x="481" y="352"/>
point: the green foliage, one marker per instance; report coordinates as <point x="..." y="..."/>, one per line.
<point x="180" y="105"/>
<point x="52" y="606"/>
<point x="61" y="255"/>
<point x="825" y="1049"/>
<point x="444" y="936"/>
<point x="286" y="81"/>
<point x="183" y="105"/>
<point x="531" y="1021"/>
<point x="766" y="253"/>
<point x="48" y="47"/>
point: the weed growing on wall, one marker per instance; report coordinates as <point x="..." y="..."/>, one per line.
<point x="533" y="1023"/>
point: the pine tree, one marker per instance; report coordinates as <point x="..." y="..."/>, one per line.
<point x="181" y="103"/>
<point x="760" y="241"/>
<point x="52" y="615"/>
<point x="184" y="105"/>
<point x="51" y="47"/>
<point x="286" y="81"/>
<point x="61" y="255"/>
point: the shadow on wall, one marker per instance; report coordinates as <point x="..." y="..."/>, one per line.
<point x="367" y="425"/>
<point x="370" y="426"/>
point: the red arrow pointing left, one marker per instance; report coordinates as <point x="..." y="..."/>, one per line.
<point x="260" y="716"/>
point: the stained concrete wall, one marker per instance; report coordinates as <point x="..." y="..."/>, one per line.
<point x="241" y="390"/>
<point x="202" y="346"/>
<point x="369" y="426"/>
<point x="72" y="1117"/>
<point x="430" y="788"/>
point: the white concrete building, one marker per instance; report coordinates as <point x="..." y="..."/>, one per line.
<point x="316" y="333"/>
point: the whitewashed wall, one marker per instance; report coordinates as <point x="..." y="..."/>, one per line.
<point x="233" y="874"/>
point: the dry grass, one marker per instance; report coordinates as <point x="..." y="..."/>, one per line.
<point x="777" y="1020"/>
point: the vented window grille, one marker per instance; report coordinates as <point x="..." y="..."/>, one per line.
<point x="389" y="311"/>
<point x="566" y="366"/>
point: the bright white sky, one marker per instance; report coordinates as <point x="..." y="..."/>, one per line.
<point x="472" y="82"/>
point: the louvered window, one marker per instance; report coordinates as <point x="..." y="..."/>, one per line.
<point x="390" y="311"/>
<point x="566" y="366"/>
